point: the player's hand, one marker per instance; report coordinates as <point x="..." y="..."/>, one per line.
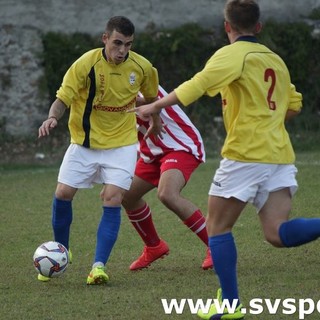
<point x="155" y="127"/>
<point x="158" y="134"/>
<point x="144" y="112"/>
<point x="46" y="126"/>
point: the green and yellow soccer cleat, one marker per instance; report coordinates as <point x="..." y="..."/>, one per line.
<point x="43" y="278"/>
<point x="214" y="315"/>
<point x="97" y="276"/>
<point x="70" y="256"/>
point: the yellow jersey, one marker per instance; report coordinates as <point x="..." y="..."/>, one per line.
<point x="99" y="93"/>
<point x="256" y="92"/>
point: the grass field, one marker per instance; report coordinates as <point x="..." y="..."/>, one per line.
<point x="264" y="272"/>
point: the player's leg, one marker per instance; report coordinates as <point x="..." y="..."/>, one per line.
<point x="73" y="174"/>
<point x="67" y="186"/>
<point x="278" y="229"/>
<point x="116" y="172"/>
<point x="61" y="217"/>
<point x="233" y="185"/>
<point x="139" y="212"/>
<point x="274" y="213"/>
<point x="140" y="215"/>
<point x="107" y="232"/>
<point x="170" y="186"/>
<point x="176" y="169"/>
<point x="222" y="215"/>
<point x="62" y="213"/>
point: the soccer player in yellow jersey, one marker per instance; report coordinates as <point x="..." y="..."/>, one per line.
<point x="98" y="89"/>
<point x="258" y="158"/>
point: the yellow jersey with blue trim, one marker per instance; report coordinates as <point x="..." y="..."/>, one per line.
<point x="99" y="93"/>
<point x="256" y="92"/>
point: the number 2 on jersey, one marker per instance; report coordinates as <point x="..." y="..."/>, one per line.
<point x="270" y="74"/>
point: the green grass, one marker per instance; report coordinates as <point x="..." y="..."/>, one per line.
<point x="264" y="272"/>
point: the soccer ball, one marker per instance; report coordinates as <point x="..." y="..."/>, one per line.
<point x="51" y="259"/>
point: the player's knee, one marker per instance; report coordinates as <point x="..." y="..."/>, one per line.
<point x="274" y="240"/>
<point x="112" y="199"/>
<point x="167" y="198"/>
<point x="112" y="195"/>
<point x="64" y="192"/>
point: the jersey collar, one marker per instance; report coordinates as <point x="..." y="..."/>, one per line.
<point x="247" y="38"/>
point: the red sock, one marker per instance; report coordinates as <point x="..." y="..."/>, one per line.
<point x="141" y="219"/>
<point x="197" y="224"/>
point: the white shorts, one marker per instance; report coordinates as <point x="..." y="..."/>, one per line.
<point x="81" y="167"/>
<point x="252" y="182"/>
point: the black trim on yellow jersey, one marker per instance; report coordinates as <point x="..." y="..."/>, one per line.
<point x="138" y="64"/>
<point x="88" y="109"/>
<point x="104" y="54"/>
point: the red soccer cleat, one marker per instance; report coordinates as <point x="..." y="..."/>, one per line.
<point x="207" y="262"/>
<point x="149" y="255"/>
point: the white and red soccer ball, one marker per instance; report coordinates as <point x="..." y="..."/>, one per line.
<point x="51" y="259"/>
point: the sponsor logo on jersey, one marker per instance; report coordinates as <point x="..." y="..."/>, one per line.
<point x="124" y="108"/>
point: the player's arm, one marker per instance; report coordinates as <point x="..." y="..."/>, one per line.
<point x="56" y="111"/>
<point x="145" y="111"/>
<point x="295" y="103"/>
<point x="140" y="101"/>
<point x="291" y="114"/>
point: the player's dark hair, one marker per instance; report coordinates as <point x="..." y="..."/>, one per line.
<point x="121" y="24"/>
<point x="243" y="15"/>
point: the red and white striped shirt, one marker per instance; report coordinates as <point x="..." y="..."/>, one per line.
<point x="181" y="135"/>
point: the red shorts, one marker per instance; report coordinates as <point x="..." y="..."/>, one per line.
<point x="183" y="161"/>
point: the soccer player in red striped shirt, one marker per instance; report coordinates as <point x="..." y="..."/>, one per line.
<point x="166" y="163"/>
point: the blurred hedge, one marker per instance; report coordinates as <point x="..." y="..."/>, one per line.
<point x="181" y="52"/>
